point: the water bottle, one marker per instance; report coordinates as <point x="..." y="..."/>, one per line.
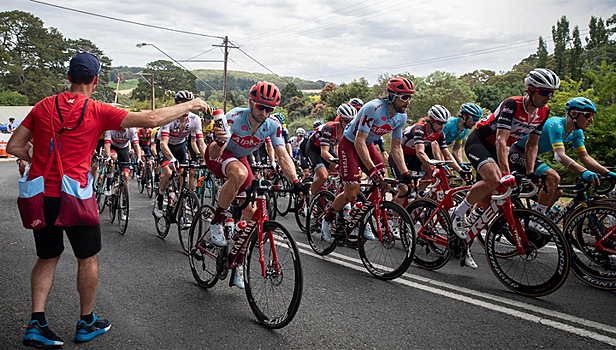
<point x="554" y="211"/>
<point x="220" y="121"/>
<point x="346" y="213"/>
<point x="200" y="181"/>
<point x="172" y="197"/>
<point x="239" y="227"/>
<point x="358" y="205"/>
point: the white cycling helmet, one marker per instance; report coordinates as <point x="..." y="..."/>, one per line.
<point x="542" y="78"/>
<point x="347" y="112"/>
<point x="300" y="132"/>
<point x="439" y="113"/>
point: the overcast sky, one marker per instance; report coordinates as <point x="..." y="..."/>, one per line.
<point x="335" y="41"/>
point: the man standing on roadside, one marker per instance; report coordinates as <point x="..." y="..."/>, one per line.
<point x="76" y="147"/>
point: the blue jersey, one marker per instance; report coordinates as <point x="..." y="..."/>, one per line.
<point x="553" y="136"/>
<point x="452" y="132"/>
<point x="242" y="141"/>
<point x="373" y="119"/>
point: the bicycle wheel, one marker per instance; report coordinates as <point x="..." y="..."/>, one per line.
<point x="149" y="182"/>
<point x="113" y="201"/>
<point x="314" y="218"/>
<point x="545" y="265"/>
<point x="141" y="182"/>
<point x="429" y="255"/>
<point x="506" y="245"/>
<point x="271" y="206"/>
<point x="389" y="257"/>
<point x="187" y="212"/>
<point x="101" y="200"/>
<point x="592" y="265"/>
<point x="283" y="199"/>
<point x="274" y="294"/>
<point x="123" y="208"/>
<point x="163" y="223"/>
<point x="210" y="191"/>
<point x="202" y="257"/>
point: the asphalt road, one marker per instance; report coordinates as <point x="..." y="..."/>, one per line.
<point x="147" y="291"/>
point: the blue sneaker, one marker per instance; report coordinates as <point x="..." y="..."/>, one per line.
<point x="41" y="336"/>
<point x="326" y="228"/>
<point x="88" y="331"/>
<point x="217" y="233"/>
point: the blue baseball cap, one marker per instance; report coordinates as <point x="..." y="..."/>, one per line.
<point x="84" y="60"/>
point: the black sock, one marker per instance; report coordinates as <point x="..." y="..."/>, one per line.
<point x="40" y="317"/>
<point x="88" y="318"/>
<point x="219" y="215"/>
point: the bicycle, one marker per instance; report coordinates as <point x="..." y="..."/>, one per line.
<point x="118" y="201"/>
<point x="146" y="182"/>
<point x="538" y="263"/>
<point x="388" y="256"/>
<point x="273" y="276"/>
<point x="178" y="209"/>
<point x="100" y="183"/>
<point x="207" y="186"/>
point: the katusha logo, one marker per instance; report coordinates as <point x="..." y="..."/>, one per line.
<point x="247" y="142"/>
<point x="383" y="118"/>
<point x="381" y="130"/>
<point x="244" y="127"/>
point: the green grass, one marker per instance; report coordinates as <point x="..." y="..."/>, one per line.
<point x="128" y="84"/>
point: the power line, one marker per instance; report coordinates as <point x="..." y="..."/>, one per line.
<point x="203" y="53"/>
<point x="314" y="30"/>
<point x="312" y="20"/>
<point x="259" y="63"/>
<point x="126" y="21"/>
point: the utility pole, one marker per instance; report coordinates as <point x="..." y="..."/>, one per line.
<point x="115" y="101"/>
<point x="152" y="85"/>
<point x="224" y="74"/>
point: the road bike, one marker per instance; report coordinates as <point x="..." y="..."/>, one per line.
<point x="118" y="202"/>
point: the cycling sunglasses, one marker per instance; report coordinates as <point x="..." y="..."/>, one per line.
<point x="587" y="115"/>
<point x="268" y="109"/>
<point x="438" y="122"/>
<point x="545" y="93"/>
<point x="404" y="98"/>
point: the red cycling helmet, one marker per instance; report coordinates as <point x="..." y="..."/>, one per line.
<point x="401" y="86"/>
<point x="265" y="93"/>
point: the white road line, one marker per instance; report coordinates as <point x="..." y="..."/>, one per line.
<point x="356" y="264"/>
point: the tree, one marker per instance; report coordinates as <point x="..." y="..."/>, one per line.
<point x="12" y="98"/>
<point x="542" y="53"/>
<point x="168" y="79"/>
<point x="345" y="92"/>
<point x="575" y="58"/>
<point x="598" y="35"/>
<point x="32" y="57"/>
<point x="560" y="36"/>
<point x="103" y="91"/>
<point x="288" y="92"/>
<point x="327" y="89"/>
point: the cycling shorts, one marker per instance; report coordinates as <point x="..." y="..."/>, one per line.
<point x="192" y="156"/>
<point x="49" y="241"/>
<point x="313" y="153"/>
<point x="517" y="161"/>
<point x="479" y="151"/>
<point x="146" y="150"/>
<point x="178" y="151"/>
<point x="350" y="162"/>
<point x="413" y="163"/>
<point x="123" y="156"/>
<point x="218" y="167"/>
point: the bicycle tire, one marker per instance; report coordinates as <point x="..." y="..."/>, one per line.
<point x="150" y="182"/>
<point x="187" y="212"/>
<point x="203" y="266"/>
<point x="101" y="200"/>
<point x="275" y="298"/>
<point x="271" y="206"/>
<point x="541" y="271"/>
<point x="283" y="199"/>
<point x="142" y="180"/>
<point x="388" y="258"/>
<point x="592" y="266"/>
<point x="314" y="218"/>
<point x="123" y="208"/>
<point x="508" y="248"/>
<point x="163" y="223"/>
<point x="112" y="201"/>
<point x="429" y="255"/>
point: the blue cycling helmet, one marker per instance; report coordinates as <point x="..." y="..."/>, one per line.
<point x="472" y="110"/>
<point x="281" y="118"/>
<point x="581" y="104"/>
<point x="317" y="123"/>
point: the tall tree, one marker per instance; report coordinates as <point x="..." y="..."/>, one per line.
<point x="103" y="91"/>
<point x="32" y="57"/>
<point x="575" y="55"/>
<point x="168" y="79"/>
<point x="542" y="53"/>
<point x="288" y="92"/>
<point x="597" y="33"/>
<point x="560" y="36"/>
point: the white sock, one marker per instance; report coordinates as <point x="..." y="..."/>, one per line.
<point x="541" y="208"/>
<point x="462" y="208"/>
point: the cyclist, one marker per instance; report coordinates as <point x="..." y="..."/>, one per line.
<point x="320" y="146"/>
<point x="357" y="103"/>
<point x="172" y="138"/>
<point x="457" y="128"/>
<point x="192" y="144"/>
<point x="226" y="157"/>
<point x="285" y="133"/>
<point x="556" y="133"/>
<point x="487" y="146"/>
<point x="375" y="119"/>
<point x="117" y="143"/>
<point x="145" y="136"/>
<point x="298" y="151"/>
<point x="417" y="141"/>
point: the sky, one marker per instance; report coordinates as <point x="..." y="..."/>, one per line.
<point x="337" y="41"/>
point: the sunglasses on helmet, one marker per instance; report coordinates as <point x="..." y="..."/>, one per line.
<point x="268" y="109"/>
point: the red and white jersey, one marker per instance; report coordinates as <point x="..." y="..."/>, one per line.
<point x="121" y="140"/>
<point x="177" y="136"/>
<point x="512" y="115"/>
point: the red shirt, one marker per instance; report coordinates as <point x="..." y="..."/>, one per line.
<point x="76" y="146"/>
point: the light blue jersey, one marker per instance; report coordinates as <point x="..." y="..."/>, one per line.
<point x="242" y="141"/>
<point x="553" y="136"/>
<point x="373" y="119"/>
<point x="452" y="132"/>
